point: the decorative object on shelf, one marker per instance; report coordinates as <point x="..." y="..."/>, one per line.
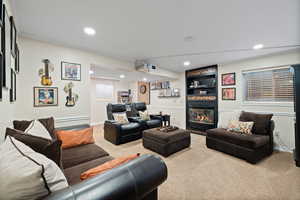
<point x="228" y="79"/>
<point x="70" y="71"/>
<point x="202" y="98"/>
<point x="200" y="72"/>
<point x="6" y="51"/>
<point x="72" y="98"/>
<point x="144" y="92"/>
<point x="171" y="92"/>
<point x="158" y="85"/>
<point x="13" y="87"/>
<point x="203" y="92"/>
<point x="45" y="96"/>
<point x="13" y="36"/>
<point x="124" y="97"/>
<point x="228" y="94"/>
<point x="44" y="73"/>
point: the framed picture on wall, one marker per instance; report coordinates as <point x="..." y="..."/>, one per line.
<point x="228" y="94"/>
<point x="13" y="87"/>
<point x="5" y="46"/>
<point x="70" y="71"/>
<point x="228" y="79"/>
<point x="13" y="36"/>
<point x="45" y="96"/>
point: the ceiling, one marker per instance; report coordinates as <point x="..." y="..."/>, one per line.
<point x="158" y="30"/>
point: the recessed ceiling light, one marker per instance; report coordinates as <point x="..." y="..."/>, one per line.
<point x="91" y="72"/>
<point x="258" y="46"/>
<point x="89" y="31"/>
<point x="144" y="79"/>
<point x="187" y="63"/>
<point x="122" y="76"/>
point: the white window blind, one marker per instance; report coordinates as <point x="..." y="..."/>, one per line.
<point x="269" y="85"/>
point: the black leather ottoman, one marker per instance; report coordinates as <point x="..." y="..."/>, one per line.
<point x="166" y="143"/>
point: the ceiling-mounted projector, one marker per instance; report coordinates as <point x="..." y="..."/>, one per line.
<point x="144" y="67"/>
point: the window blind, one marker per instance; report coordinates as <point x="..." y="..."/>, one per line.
<point x="270" y="85"/>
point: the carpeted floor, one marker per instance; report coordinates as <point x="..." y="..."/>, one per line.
<point x="200" y="173"/>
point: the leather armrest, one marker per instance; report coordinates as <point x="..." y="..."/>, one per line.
<point x="135" y="119"/>
<point x="111" y="121"/>
<point x="129" y="181"/>
<point x="156" y="117"/>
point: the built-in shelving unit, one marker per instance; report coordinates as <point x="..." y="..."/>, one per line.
<point x="202" y="98"/>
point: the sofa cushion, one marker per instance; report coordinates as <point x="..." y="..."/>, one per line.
<point x="73" y="173"/>
<point x="49" y="148"/>
<point x="244" y="140"/>
<point x="47" y="122"/>
<point x="74" y="138"/>
<point x="153" y="123"/>
<point x="130" y="128"/>
<point x="77" y="155"/>
<point x="261" y="122"/>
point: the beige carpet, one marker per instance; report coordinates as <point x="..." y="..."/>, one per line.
<point x="200" y="173"/>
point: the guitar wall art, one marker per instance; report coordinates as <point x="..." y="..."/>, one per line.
<point x="44" y="73"/>
<point x="72" y="97"/>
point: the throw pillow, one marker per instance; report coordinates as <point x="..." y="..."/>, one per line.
<point x="240" y="127"/>
<point x="50" y="149"/>
<point x="27" y="174"/>
<point x="47" y="122"/>
<point x="38" y="129"/>
<point x="226" y="117"/>
<point x="144" y="115"/>
<point x="121" y="118"/>
<point x="261" y="121"/>
<point x="73" y="138"/>
<point x="107" y="166"/>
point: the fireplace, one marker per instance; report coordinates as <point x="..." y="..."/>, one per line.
<point x="202" y="115"/>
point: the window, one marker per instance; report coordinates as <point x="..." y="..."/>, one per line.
<point x="274" y="85"/>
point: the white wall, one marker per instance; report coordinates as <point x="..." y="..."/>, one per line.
<point x="98" y="106"/>
<point x="173" y="106"/>
<point x="6" y="108"/>
<point x="283" y="113"/>
<point x="32" y="52"/>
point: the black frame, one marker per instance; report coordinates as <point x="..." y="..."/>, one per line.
<point x="13" y="36"/>
<point x="17" y="59"/>
<point x="234" y="89"/>
<point x="13" y="87"/>
<point x="62" y="78"/>
<point x="34" y="89"/>
<point x="228" y="74"/>
<point x="6" y="55"/>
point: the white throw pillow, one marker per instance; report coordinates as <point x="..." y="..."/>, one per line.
<point x="26" y="174"/>
<point x="226" y="117"/>
<point x="144" y="115"/>
<point x="121" y="118"/>
<point x="36" y="128"/>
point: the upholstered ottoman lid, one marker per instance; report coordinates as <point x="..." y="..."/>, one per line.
<point x="164" y="137"/>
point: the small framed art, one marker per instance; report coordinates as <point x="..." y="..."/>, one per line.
<point x="45" y="96"/>
<point x="228" y="79"/>
<point x="70" y="71"/>
<point x="228" y="94"/>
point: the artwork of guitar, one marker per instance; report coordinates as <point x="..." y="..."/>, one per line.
<point x="46" y="79"/>
<point x="70" y="99"/>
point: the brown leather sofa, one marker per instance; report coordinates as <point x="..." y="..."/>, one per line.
<point x="253" y="147"/>
<point x="128" y="181"/>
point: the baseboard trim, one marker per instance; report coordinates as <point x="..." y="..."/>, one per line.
<point x="71" y="119"/>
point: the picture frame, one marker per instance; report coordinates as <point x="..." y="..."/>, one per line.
<point x="13" y="36"/>
<point x="13" y="87"/>
<point x="45" y="96"/>
<point x="1" y="12"/>
<point x="5" y="46"/>
<point x="70" y="71"/>
<point x="229" y="94"/>
<point x="228" y="79"/>
<point x="17" y="59"/>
